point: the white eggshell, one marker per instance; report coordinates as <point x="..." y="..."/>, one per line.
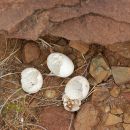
<point x="60" y="65"/>
<point x="77" y="88"/>
<point x="31" y="80"/>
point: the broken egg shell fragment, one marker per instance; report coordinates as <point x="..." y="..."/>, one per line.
<point x="31" y="80"/>
<point x="71" y="105"/>
<point x="77" y="88"/>
<point x="60" y="65"/>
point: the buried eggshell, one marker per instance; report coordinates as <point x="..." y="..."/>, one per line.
<point x="77" y="88"/>
<point x="60" y="65"/>
<point x="31" y="80"/>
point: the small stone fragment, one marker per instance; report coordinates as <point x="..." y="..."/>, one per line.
<point x="122" y="49"/>
<point x="127" y="118"/>
<point x="126" y="126"/>
<point x="31" y="52"/>
<point x="115" y="91"/>
<point x="112" y="120"/>
<point x="50" y="93"/>
<point x="116" y="110"/>
<point x="121" y="74"/>
<point x="80" y="46"/>
<point x="87" y="117"/>
<point x="99" y="69"/>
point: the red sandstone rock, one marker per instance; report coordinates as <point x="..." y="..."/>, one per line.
<point x="56" y="118"/>
<point x="87" y="117"/>
<point x="92" y="21"/>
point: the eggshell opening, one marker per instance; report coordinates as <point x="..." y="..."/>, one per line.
<point x="77" y="88"/>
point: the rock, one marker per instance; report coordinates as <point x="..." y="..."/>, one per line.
<point x="50" y="93"/>
<point x="87" y="117"/>
<point x="116" y="110"/>
<point x="116" y="127"/>
<point x="121" y="74"/>
<point x="121" y="48"/>
<point x="80" y="46"/>
<point x="100" y="94"/>
<point x="92" y="81"/>
<point x="126" y="95"/>
<point x="101" y="26"/>
<point x="112" y="120"/>
<point x="127" y="118"/>
<point x="112" y="58"/>
<point x="31" y="52"/>
<point x="102" y="127"/>
<point x="71" y="19"/>
<point x="126" y="126"/>
<point x="55" y="118"/>
<point x="99" y="69"/>
<point x="115" y="91"/>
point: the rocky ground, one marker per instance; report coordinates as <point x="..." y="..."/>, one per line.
<point x="106" y="67"/>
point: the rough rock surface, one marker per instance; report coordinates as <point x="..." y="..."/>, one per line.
<point x="98" y="21"/>
<point x="56" y="118"/>
<point x="115" y="91"/>
<point x="112" y="119"/>
<point x="80" y="46"/>
<point x="121" y="74"/>
<point x="99" y="69"/>
<point x="31" y="52"/>
<point x="87" y="117"/>
<point x="126" y="126"/>
<point x="122" y="49"/>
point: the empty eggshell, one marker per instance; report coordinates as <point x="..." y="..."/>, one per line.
<point x="60" y="65"/>
<point x="31" y="80"/>
<point x="77" y="88"/>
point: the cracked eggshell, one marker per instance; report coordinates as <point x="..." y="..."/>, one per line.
<point x="60" y="65"/>
<point x="31" y="80"/>
<point x="77" y="88"/>
<point x="71" y="105"/>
